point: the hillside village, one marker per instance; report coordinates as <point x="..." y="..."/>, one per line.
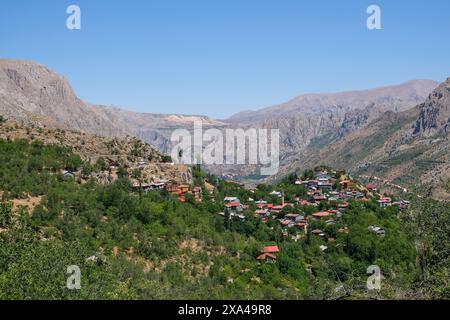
<point x="315" y="207"/>
<point x="315" y="210"/>
<point x="321" y="205"/>
<point x="361" y="190"/>
<point x="301" y="237"/>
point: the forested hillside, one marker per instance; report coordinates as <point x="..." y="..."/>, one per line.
<point x="130" y="244"/>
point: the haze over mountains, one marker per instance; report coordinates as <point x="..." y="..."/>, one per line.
<point x="314" y="127"/>
<point x="394" y="98"/>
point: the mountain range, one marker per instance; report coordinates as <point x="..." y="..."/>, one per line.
<point x="409" y="148"/>
<point x="33" y="94"/>
<point x="390" y="131"/>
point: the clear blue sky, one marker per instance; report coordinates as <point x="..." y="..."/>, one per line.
<point x="219" y="57"/>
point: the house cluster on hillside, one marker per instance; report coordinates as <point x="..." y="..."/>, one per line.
<point x="268" y="254"/>
<point x="265" y="209"/>
<point x="324" y="190"/>
<point x="180" y="190"/>
<point x="385" y="202"/>
<point x="234" y="208"/>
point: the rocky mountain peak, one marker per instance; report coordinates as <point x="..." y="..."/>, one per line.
<point x="435" y="112"/>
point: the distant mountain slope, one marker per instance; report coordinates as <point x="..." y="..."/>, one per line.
<point x="395" y="98"/>
<point x="411" y="148"/>
<point x="32" y="93"/>
<point x="320" y="120"/>
<point x="157" y="129"/>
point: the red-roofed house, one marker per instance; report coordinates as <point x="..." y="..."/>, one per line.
<point x="267" y="254"/>
<point x="235" y="206"/>
<point x="385" y="202"/>
<point x="323" y="214"/>
<point x="277" y="208"/>
<point x="270" y="249"/>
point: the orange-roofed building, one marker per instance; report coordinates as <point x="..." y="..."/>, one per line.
<point x="232" y="204"/>
<point x="184" y="188"/>
<point x="266" y="257"/>
<point x="322" y="214"/>
<point x="270" y="249"/>
<point x="385" y="202"/>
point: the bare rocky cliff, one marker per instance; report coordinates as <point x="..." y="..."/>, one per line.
<point x="33" y="94"/>
<point x="435" y="112"/>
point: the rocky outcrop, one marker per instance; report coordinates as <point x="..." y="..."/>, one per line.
<point x="33" y="94"/>
<point x="435" y="112"/>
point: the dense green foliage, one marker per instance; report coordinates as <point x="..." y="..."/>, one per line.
<point x="150" y="246"/>
<point x="430" y="222"/>
<point x="29" y="167"/>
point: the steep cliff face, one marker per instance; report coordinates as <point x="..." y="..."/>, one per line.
<point x="435" y="112"/>
<point x="31" y="93"/>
